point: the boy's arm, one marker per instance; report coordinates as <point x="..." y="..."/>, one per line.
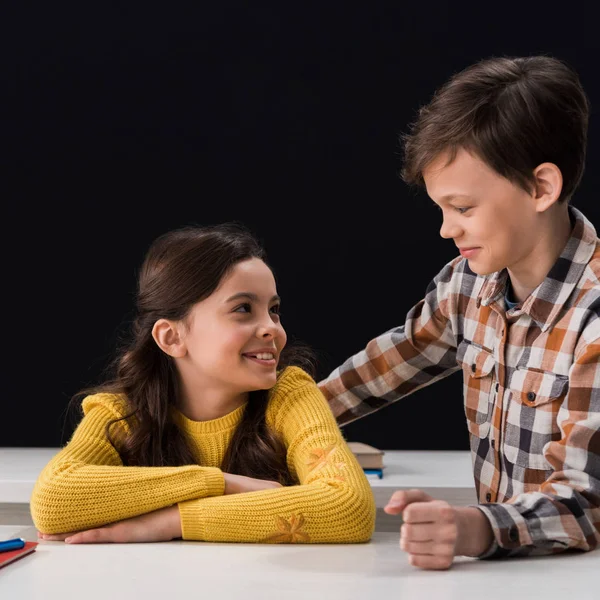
<point x="565" y="512"/>
<point x="406" y="358"/>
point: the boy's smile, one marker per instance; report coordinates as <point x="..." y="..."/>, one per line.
<point x="468" y="252"/>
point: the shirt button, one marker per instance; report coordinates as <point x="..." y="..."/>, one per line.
<point x="473" y="367"/>
<point x="478" y="303"/>
<point x="513" y="534"/>
<point x="497" y="386"/>
<point x="531" y="396"/>
<point x="488" y="497"/>
<point x="493" y="446"/>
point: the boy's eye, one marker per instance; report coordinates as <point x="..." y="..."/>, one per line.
<point x="276" y="308"/>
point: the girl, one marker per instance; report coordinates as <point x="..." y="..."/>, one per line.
<point x="205" y="407"/>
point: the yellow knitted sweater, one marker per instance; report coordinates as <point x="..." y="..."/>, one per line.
<point x="86" y="485"/>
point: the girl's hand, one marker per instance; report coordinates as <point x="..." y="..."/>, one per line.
<point x="238" y="484"/>
<point x="161" y="525"/>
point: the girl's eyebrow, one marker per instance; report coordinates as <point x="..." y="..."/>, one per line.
<point x="250" y="296"/>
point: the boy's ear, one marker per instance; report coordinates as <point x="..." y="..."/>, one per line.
<point x="168" y="337"/>
<point x="548" y="185"/>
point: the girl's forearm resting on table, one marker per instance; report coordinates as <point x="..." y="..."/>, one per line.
<point x="72" y="497"/>
<point x="321" y="512"/>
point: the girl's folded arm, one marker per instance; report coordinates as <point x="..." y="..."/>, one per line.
<point x="333" y="502"/>
<point x="86" y="484"/>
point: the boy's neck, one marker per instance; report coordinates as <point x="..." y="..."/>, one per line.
<point x="530" y="272"/>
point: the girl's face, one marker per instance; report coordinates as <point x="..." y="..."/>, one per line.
<point x="234" y="337"/>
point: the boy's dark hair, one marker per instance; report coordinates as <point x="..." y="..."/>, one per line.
<point x="513" y="113"/>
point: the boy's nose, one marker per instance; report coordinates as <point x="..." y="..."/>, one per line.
<point x="449" y="230"/>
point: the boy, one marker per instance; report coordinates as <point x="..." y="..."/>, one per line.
<point x="501" y="149"/>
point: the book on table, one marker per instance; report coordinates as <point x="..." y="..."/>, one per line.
<point x="12" y="555"/>
<point x="369" y="457"/>
<point x="374" y="473"/>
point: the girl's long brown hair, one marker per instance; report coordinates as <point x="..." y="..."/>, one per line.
<point x="183" y="267"/>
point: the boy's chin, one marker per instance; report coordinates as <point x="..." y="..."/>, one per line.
<point x="482" y="269"/>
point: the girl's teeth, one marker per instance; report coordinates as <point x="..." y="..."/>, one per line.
<point x="264" y="356"/>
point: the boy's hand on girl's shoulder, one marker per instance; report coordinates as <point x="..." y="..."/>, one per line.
<point x="161" y="525"/>
<point x="433" y="532"/>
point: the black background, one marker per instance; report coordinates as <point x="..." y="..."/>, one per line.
<point x="124" y="121"/>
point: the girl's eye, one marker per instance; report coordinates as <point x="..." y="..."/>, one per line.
<point x="462" y="209"/>
<point x="243" y="308"/>
<point x="276" y="309"/>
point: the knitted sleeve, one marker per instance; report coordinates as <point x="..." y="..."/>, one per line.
<point x="333" y="502"/>
<point x="86" y="485"/>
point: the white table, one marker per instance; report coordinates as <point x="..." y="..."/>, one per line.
<point x="377" y="570"/>
<point x="445" y="475"/>
<point x="19" y="469"/>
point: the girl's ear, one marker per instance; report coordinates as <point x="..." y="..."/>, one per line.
<point x="548" y="185"/>
<point x="167" y="336"/>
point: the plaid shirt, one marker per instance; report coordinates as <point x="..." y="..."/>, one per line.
<point x="531" y="391"/>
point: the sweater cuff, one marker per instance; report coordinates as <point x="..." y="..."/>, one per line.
<point x="190" y="510"/>
<point x="214" y="481"/>
<point x="192" y="523"/>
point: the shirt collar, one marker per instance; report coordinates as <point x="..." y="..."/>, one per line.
<point x="547" y="300"/>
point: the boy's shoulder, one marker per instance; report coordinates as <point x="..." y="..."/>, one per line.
<point x="582" y="265"/>
<point x="588" y="297"/>
<point x="592" y="274"/>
